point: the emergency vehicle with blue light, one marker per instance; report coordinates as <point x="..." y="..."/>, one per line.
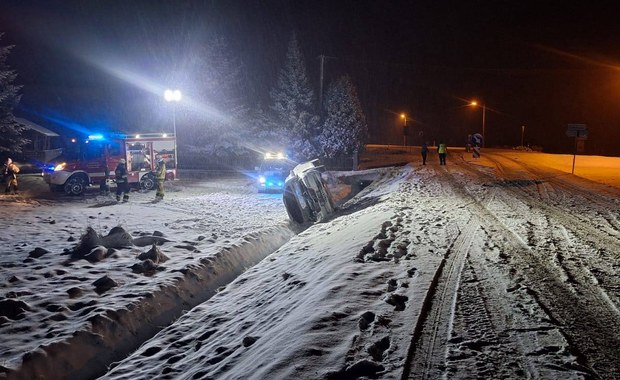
<point x="273" y="171"/>
<point x="92" y="161"/>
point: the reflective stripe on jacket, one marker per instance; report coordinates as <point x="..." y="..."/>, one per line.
<point x="160" y="171"/>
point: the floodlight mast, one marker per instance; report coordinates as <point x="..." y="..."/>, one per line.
<point x="174" y="96"/>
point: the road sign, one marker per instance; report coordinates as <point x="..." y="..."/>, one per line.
<point x="577" y="130"/>
<point x="577" y="127"/>
<point x="580" y="133"/>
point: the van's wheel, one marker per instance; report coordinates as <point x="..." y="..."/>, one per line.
<point x="75" y="185"/>
<point x="147" y="182"/>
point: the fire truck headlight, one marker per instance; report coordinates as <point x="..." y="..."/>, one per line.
<point x="60" y="167"/>
<point x="262" y="179"/>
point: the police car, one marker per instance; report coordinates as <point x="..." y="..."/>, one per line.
<point x="272" y="172"/>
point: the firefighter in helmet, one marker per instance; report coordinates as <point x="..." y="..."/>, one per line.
<point x="122" y="186"/>
<point x="10" y="176"/>
<point x="160" y="175"/>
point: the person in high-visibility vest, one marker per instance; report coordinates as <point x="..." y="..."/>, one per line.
<point x="10" y="176"/>
<point x="442" y="150"/>
<point x="160" y="175"/>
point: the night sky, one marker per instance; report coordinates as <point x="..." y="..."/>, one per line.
<point x="542" y="64"/>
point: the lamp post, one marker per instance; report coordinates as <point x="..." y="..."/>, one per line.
<point x="174" y="96"/>
<point x="403" y="116"/>
<point x="484" y="116"/>
<point x="522" y="133"/>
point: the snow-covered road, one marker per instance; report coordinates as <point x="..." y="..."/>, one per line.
<point x="538" y="295"/>
<point x="500" y="267"/>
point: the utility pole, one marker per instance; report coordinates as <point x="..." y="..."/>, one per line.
<point x="484" y="117"/>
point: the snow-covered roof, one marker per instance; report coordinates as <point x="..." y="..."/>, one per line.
<point x="36" y="127"/>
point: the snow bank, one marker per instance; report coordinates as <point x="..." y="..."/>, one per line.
<point x="114" y="333"/>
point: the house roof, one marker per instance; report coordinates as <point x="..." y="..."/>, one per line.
<point x="35" y="127"/>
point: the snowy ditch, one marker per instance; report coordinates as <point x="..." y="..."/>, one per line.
<point x="113" y="334"/>
<point x="71" y="315"/>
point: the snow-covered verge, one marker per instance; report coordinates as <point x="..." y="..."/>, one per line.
<point x="312" y="309"/>
<point x="67" y="316"/>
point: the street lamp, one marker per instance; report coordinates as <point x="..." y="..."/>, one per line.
<point x="522" y="133"/>
<point x="174" y="96"/>
<point x="403" y="116"/>
<point x="484" y="115"/>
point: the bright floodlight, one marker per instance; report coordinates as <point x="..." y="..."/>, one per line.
<point x="172" y="95"/>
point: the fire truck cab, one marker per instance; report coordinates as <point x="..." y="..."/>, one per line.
<point x="93" y="160"/>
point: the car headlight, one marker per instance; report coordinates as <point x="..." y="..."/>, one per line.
<point x="60" y="167"/>
<point x="262" y="179"/>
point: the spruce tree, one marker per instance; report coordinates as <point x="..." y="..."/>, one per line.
<point x="344" y="129"/>
<point x="220" y="126"/>
<point x="294" y="105"/>
<point x="10" y="131"/>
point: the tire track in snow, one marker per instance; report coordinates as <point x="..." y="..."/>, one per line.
<point x="592" y="243"/>
<point x="580" y="197"/>
<point x="483" y="336"/>
<point x="590" y="323"/>
<point x="427" y="352"/>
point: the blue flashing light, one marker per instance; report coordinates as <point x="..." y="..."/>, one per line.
<point x="95" y="137"/>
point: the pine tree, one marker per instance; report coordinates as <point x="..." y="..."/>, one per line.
<point x="220" y="126"/>
<point x="10" y="131"/>
<point x="293" y="104"/>
<point x="344" y="128"/>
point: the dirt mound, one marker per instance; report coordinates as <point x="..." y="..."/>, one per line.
<point x="92" y="242"/>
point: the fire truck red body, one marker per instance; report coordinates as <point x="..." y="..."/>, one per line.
<point x="94" y="160"/>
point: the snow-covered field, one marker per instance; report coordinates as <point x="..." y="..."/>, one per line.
<point x="500" y="267"/>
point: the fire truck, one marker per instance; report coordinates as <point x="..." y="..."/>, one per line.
<point x="92" y="161"/>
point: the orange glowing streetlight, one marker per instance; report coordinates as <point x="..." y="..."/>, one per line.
<point x="484" y="114"/>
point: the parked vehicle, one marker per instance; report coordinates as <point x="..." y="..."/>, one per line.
<point x="272" y="172"/>
<point x="93" y="160"/>
<point x="306" y="196"/>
